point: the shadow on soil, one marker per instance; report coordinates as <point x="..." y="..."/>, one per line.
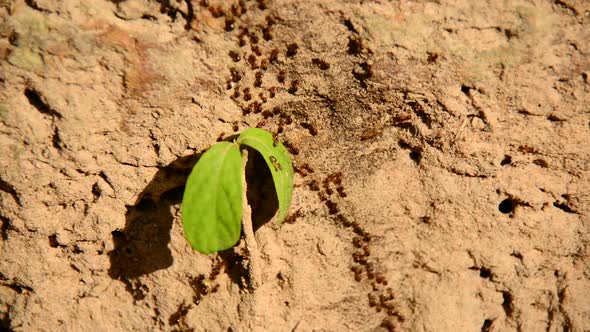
<point x="142" y="246"/>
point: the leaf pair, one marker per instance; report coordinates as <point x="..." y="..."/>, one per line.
<point x="212" y="202"/>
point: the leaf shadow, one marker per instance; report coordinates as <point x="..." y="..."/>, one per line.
<point x="261" y="192"/>
<point x="142" y="246"/>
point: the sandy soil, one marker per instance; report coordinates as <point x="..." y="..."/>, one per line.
<point x="442" y="150"/>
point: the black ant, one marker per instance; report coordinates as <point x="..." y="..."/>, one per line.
<point x="292" y="149"/>
<point x="256" y="50"/>
<point x="256" y="107"/>
<point x="266" y="114"/>
<point x="247" y="95"/>
<point x="343" y="220"/>
<point x="253" y="38"/>
<point x="274" y="55"/>
<point x="323" y="65"/>
<point x="292" y="49"/>
<point x="252" y="61"/>
<point x="241" y="41"/>
<point x="291" y="219"/>
<point x="388" y="325"/>
<point x="229" y="24"/>
<point x="294" y="87"/>
<point x="372" y="301"/>
<point x="235" y="75"/>
<point x="266" y="33"/>
<point x="314" y="186"/>
<point x="357" y="241"/>
<point x="332" y="207"/>
<point x="235" y="56"/>
<point x="310" y="128"/>
<point x="275" y="163"/>
<point x="258" y="80"/>
<point x="281" y="76"/>
<point x="216" y="11"/>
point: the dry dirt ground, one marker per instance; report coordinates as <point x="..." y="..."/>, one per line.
<point x="442" y="150"/>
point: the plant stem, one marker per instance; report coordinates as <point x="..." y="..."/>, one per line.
<point x="249" y="237"/>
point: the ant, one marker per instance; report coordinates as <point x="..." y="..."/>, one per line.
<point x="256" y="50"/>
<point x="314" y="186"/>
<point x="274" y="55"/>
<point x="235" y="56"/>
<point x="252" y="61"/>
<point x="292" y="149"/>
<point x="235" y="75"/>
<point x="323" y="65"/>
<point x="310" y="128"/>
<point x="229" y="24"/>
<point x="380" y="278"/>
<point x="292" y="49"/>
<point x="258" y="80"/>
<point x="247" y="95"/>
<point x="332" y="207"/>
<point x="275" y="163"/>
<point x="264" y="64"/>
<point x="291" y="219"/>
<point x="370" y="133"/>
<point x="281" y="76"/>
<point x="342" y="219"/>
<point x="266" y="114"/>
<point x="294" y="87"/>
<point x="266" y="33"/>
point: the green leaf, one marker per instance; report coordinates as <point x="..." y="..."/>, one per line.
<point x="212" y="202"/>
<point x="278" y="161"/>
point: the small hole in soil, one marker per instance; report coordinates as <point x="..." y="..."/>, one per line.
<point x="564" y="207"/>
<point x="507" y="304"/>
<point x="53" y="241"/>
<point x="507" y="206"/>
<point x="416" y="156"/>
<point x="465" y="89"/>
<point x="487" y="324"/>
<point x="506" y="161"/>
<point x="484" y="272"/>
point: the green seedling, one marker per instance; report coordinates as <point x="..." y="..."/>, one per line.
<point x="214" y="197"/>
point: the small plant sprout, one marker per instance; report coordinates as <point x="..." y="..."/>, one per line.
<point x="214" y="205"/>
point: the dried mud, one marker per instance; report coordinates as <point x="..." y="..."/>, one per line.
<point x="441" y="147"/>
